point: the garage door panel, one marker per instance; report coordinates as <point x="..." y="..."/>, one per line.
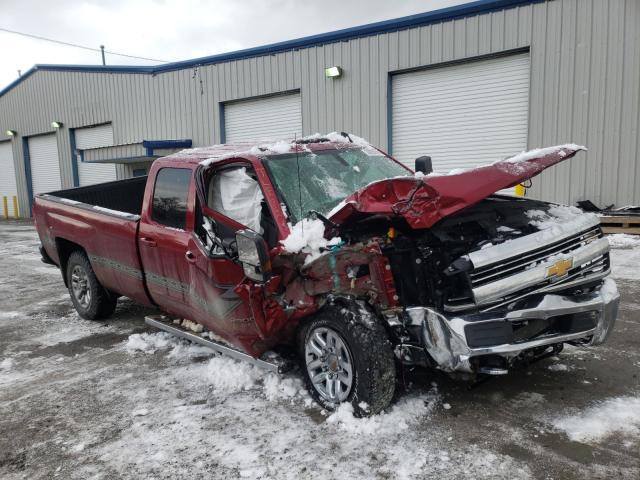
<point x="270" y="117"/>
<point x="45" y="165"/>
<point x="7" y="171"/>
<point x="463" y="115"/>
<point x="94" y="137"/>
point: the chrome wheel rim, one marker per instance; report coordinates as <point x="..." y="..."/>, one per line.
<point x="80" y="286"/>
<point x="329" y="364"/>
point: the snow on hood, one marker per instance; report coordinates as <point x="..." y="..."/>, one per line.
<point x="307" y="236"/>
<point x="424" y="200"/>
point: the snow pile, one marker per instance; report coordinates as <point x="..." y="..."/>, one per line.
<point x="307" y="236"/>
<point x="559" y="218"/>
<point x="609" y="290"/>
<point x="406" y="413"/>
<point x="277" y="387"/>
<point x="227" y="375"/>
<point x="149" y="342"/>
<point x="278" y="147"/>
<point x="6" y="364"/>
<point x="541" y="152"/>
<point x="558" y="367"/>
<point x="336" y="137"/>
<point x="616" y="415"/>
<point x="623" y="240"/>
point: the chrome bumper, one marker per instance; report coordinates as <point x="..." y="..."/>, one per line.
<point x="446" y="338"/>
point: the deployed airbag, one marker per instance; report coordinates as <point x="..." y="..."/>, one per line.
<point x="236" y="195"/>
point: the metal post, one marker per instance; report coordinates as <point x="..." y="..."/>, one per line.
<point x="16" y="210"/>
<point x="102" y="51"/>
<point x="5" y="204"/>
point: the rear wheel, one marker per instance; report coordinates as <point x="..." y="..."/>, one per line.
<point x="346" y="358"/>
<point x="90" y="299"/>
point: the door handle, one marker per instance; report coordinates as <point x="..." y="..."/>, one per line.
<point x="191" y="258"/>
<point x="149" y="242"/>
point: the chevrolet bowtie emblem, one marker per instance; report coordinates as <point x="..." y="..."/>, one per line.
<point x="560" y="268"/>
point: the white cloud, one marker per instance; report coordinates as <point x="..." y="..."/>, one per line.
<point x="173" y="29"/>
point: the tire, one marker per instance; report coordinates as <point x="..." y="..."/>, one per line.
<point x="361" y="366"/>
<point x="90" y="299"/>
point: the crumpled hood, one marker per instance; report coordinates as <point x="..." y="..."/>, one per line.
<point x="423" y="201"/>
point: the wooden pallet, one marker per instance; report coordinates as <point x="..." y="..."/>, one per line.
<point x="620" y="224"/>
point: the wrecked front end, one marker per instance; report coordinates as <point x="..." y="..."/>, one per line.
<point x="465" y="280"/>
<point x="503" y="281"/>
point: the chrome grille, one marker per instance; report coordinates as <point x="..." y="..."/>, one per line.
<point x="506" y="268"/>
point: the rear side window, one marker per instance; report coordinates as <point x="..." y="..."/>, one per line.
<point x="170" y="197"/>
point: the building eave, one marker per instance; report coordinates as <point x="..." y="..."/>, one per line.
<point x="385" y="26"/>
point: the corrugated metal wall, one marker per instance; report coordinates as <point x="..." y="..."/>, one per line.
<point x="585" y="82"/>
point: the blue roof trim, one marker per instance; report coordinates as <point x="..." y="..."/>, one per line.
<point x="182" y="143"/>
<point x="464" y="10"/>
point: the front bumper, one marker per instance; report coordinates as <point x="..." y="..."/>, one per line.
<point x="456" y="342"/>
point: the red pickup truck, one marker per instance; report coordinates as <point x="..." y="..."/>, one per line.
<point x="330" y="248"/>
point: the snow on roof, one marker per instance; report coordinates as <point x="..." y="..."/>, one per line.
<point x="257" y="148"/>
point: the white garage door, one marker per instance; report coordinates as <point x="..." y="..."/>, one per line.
<point x="7" y="173"/>
<point x="464" y="115"/>
<point x="263" y="118"/>
<point x="94" y="137"/>
<point x="45" y="167"/>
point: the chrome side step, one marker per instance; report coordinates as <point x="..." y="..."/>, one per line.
<point x="273" y="362"/>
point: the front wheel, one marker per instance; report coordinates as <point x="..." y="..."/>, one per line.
<point x="347" y="358"/>
<point x="90" y="299"/>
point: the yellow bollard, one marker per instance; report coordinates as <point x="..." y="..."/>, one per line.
<point x="16" y="210"/>
<point x="5" y="204"/>
<point x="520" y="190"/>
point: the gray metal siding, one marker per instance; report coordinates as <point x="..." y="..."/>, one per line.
<point x="585" y="81"/>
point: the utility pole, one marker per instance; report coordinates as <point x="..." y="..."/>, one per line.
<point x="102" y="51"/>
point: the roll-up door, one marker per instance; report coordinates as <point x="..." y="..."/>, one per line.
<point x="274" y="117"/>
<point x="7" y="173"/>
<point x="45" y="167"/>
<point x="94" y="137"/>
<point x="463" y="115"/>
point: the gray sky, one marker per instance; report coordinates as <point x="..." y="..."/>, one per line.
<point x="172" y="29"/>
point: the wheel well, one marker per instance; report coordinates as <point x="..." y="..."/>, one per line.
<point x="65" y="249"/>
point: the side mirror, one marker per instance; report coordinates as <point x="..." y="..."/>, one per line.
<point x="253" y="255"/>
<point x="423" y="164"/>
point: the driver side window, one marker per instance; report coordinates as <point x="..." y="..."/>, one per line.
<point x="236" y="193"/>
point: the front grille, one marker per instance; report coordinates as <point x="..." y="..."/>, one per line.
<point x="506" y="268"/>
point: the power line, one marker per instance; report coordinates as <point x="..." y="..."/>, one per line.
<point x="68" y="44"/>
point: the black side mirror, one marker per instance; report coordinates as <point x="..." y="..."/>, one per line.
<point x="253" y="255"/>
<point x="423" y="164"/>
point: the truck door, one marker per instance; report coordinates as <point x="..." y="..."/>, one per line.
<point x="215" y="273"/>
<point x="164" y="237"/>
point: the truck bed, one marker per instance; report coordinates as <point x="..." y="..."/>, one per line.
<point x="118" y="196"/>
<point x="102" y="220"/>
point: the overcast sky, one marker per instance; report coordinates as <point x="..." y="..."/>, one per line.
<point x="174" y="29"/>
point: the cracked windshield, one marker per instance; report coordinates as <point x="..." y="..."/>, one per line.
<point x="328" y="177"/>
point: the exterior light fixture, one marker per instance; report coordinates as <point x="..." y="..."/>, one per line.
<point x="333" y="72"/>
<point x="11" y="133"/>
<point x="56" y="124"/>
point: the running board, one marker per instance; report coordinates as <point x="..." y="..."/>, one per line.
<point x="275" y="363"/>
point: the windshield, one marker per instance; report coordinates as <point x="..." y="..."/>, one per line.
<point x="327" y="177"/>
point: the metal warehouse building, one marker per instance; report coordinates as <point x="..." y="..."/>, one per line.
<point x="467" y="85"/>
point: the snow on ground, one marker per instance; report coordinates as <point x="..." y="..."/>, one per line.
<point x="625" y="259"/>
<point x="616" y="415"/>
<point x="283" y="441"/>
<point x="111" y="399"/>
